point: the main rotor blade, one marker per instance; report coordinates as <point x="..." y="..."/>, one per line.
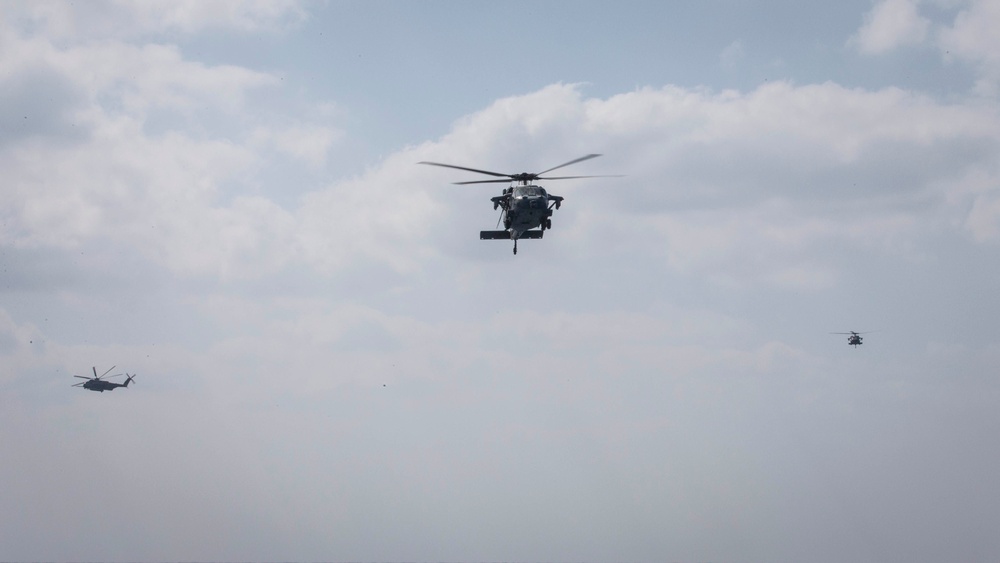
<point x="573" y="177"/>
<point x="581" y="159"/>
<point x="76" y="384"/>
<point x="483" y="182"/>
<point x="105" y="373"/>
<point x="464" y="168"/>
<point x="82" y="377"/>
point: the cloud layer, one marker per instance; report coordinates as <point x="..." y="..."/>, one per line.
<point x="332" y="366"/>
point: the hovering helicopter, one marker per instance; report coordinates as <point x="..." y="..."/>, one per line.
<point x="523" y="205"/>
<point x="854" y="339"/>
<point x="97" y="383"/>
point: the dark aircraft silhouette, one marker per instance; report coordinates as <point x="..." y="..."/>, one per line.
<point x="97" y="383"/>
<point x="854" y="339"/>
<point x="524" y="205"/>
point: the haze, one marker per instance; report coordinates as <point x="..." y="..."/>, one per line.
<point x="223" y="197"/>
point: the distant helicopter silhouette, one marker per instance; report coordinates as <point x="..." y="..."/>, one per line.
<point x="855" y="337"/>
<point x="97" y="383"/>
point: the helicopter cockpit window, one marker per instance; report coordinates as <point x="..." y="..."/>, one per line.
<point x="528" y="191"/>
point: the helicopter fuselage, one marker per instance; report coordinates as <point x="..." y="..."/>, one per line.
<point x="524" y="208"/>
<point x="102" y="386"/>
<point x="528" y="207"/>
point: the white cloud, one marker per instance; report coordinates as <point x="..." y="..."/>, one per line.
<point x="105" y="19"/>
<point x="114" y="181"/>
<point x="156" y="76"/>
<point x="342" y="359"/>
<point x="969" y="38"/>
<point x="980" y="189"/>
<point x="772" y="243"/>
<point x="984" y="218"/>
<point x="384" y="216"/>
<point x="971" y="32"/>
<point x="117" y="77"/>
<point x="773" y="173"/>
<point x="972" y="37"/>
<point x="732" y="55"/>
<point x="191" y="16"/>
<point x="309" y="143"/>
<point x="889" y="25"/>
<point x="725" y="158"/>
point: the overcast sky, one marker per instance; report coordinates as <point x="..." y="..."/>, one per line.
<point x="223" y="197"/>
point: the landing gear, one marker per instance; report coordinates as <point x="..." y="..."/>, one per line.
<point x="515" y="247"/>
<point x="548" y="223"/>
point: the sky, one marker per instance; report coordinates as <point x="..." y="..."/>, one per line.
<point x="224" y="198"/>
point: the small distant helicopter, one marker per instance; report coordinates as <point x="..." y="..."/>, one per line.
<point x="854" y="339"/>
<point x="524" y="205"/>
<point x="97" y="383"/>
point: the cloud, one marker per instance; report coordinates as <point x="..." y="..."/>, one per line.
<point x="80" y="83"/>
<point x="309" y="143"/>
<point x="732" y="55"/>
<point x="891" y="24"/>
<point x="157" y="76"/>
<point x="331" y="362"/>
<point x="88" y="108"/>
<point x="383" y="217"/>
<point x="191" y="202"/>
<point x="709" y="177"/>
<point x="968" y="38"/>
<point x="971" y="38"/>
<point x="780" y="169"/>
<point x="771" y="244"/>
<point x="980" y="188"/>
<point x="30" y="116"/>
<point x="121" y="19"/>
<point x="190" y="16"/>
